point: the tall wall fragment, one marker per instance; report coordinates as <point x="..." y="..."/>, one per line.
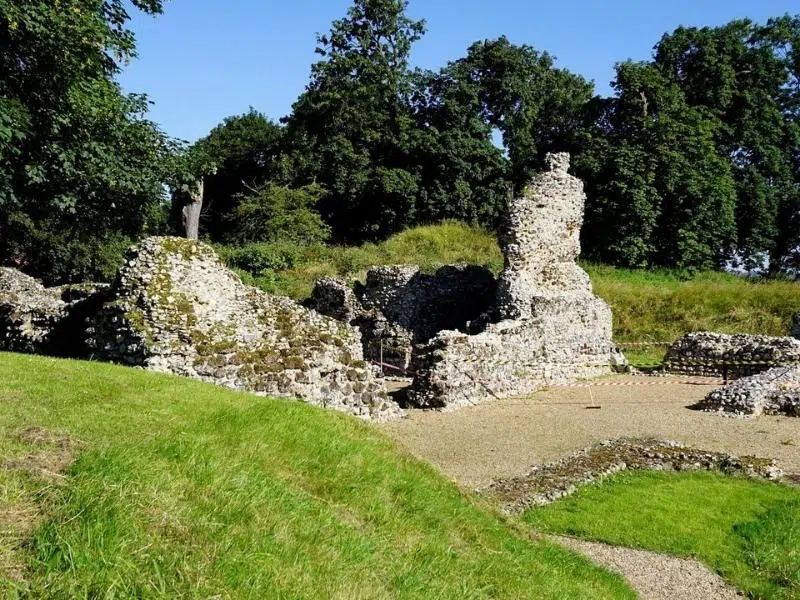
<point x="550" y="327"/>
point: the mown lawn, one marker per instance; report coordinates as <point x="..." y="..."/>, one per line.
<point x="117" y="483"/>
<point x="649" y="306"/>
<point x="747" y="531"/>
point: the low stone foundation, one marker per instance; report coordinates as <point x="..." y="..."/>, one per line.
<point x="732" y="356"/>
<point x="773" y="392"/>
<point x="547" y="483"/>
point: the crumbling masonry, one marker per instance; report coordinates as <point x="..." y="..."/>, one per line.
<point x="174" y="307"/>
<point x="545" y="325"/>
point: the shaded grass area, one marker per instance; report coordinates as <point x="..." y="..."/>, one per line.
<point x="649" y="306"/>
<point x="747" y="531"/>
<point x="184" y="490"/>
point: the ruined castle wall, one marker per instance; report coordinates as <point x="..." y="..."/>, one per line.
<point x="551" y="329"/>
<point x="399" y="307"/>
<point x="176" y="308"/>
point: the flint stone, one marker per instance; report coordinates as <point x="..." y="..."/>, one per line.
<point x="739" y="355"/>
<point x="773" y="392"/>
<point x="175" y="308"/>
<point x="547" y="325"/>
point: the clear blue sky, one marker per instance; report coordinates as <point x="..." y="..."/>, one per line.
<point x="203" y="60"/>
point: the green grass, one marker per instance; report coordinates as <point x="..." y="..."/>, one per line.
<point x="662" y="306"/>
<point x="649" y="306"/>
<point x="747" y="531"/>
<point x="185" y="490"/>
<point x="429" y="247"/>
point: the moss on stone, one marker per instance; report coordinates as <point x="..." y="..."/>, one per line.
<point x="186" y="249"/>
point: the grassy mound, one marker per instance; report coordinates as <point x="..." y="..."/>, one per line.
<point x="663" y="305"/>
<point x="291" y="270"/>
<point x="747" y="531"/>
<point x="649" y="306"/>
<point x="117" y="483"/>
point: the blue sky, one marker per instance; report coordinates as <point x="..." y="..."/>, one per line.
<point x="203" y="60"/>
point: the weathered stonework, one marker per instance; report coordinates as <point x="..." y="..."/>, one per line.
<point x="773" y="392"/>
<point x="400" y="307"/>
<point x="28" y="312"/>
<point x="550" y="482"/>
<point x="550" y="326"/>
<point x="176" y="308"/>
<point x="41" y="320"/>
<point x="718" y="354"/>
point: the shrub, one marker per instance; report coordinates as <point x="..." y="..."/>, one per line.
<point x="275" y="213"/>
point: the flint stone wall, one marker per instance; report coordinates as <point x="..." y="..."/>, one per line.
<point x="175" y="308"/>
<point x="399" y="307"/>
<point x="550" y="327"/>
<point x="773" y="392"/>
<point x="36" y="319"/>
<point x="740" y="355"/>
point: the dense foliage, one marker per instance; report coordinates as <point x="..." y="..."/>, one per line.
<point x="694" y="162"/>
<point x="697" y="158"/>
<point x="81" y="169"/>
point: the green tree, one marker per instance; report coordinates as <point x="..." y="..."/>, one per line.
<point x="350" y="131"/>
<point x="462" y="174"/>
<point x="659" y="192"/>
<point x="246" y="150"/>
<point x="275" y="213"/>
<point x="535" y="106"/>
<point x="80" y="165"/>
<point x="746" y="75"/>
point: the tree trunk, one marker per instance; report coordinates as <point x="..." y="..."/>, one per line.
<point x="190" y="214"/>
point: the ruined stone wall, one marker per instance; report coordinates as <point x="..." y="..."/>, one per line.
<point x="772" y="392"/>
<point x="28" y="311"/>
<point x="176" y="308"/>
<point x="795" y="332"/>
<point x="41" y="320"/>
<point x="551" y="329"/>
<point x="399" y="307"/>
<point x="718" y="354"/>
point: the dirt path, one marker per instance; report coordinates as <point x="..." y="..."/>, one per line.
<point x="655" y="576"/>
<point x="504" y="438"/>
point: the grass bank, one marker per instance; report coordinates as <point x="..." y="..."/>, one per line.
<point x="117" y="483"/>
<point x="649" y="306"/>
<point x="747" y="531"/>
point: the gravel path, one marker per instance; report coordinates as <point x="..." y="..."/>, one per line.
<point x="505" y="438"/>
<point x="656" y="576"/>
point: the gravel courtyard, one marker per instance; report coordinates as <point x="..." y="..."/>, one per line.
<point x="504" y="438"/>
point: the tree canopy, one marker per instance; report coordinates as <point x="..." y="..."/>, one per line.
<point x="80" y="165"/>
<point x="692" y="162"/>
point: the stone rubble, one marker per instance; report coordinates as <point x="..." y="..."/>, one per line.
<point x="175" y="308"/>
<point x="717" y="354"/>
<point x="28" y="312"/>
<point x="773" y="392"/>
<point x="547" y="326"/>
<point x="545" y="484"/>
